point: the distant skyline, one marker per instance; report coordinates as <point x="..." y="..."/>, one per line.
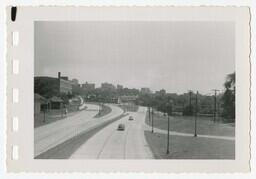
<point x="175" y="56"/>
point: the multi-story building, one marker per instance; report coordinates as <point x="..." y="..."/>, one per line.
<point x="50" y="86"/>
<point x="161" y="92"/>
<point x="127" y="99"/>
<point x="65" y="86"/>
<point x="88" y="86"/>
<point x="145" y="91"/>
<point x="75" y="82"/>
<point x="119" y="87"/>
<point x="107" y="86"/>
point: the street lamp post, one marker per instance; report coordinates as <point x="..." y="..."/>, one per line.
<point x="149" y="116"/>
<point x="195" y="133"/>
<point x="169" y="112"/>
<point x="61" y="107"/>
<point x="152" y="122"/>
<point x="215" y="105"/>
<point x="44" y="117"/>
<point x="168" y="135"/>
<point x="99" y="108"/>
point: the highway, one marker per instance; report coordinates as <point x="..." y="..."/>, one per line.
<point x="109" y="143"/>
<point x="50" y="135"/>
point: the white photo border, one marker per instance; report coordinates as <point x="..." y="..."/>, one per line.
<point x="24" y="81"/>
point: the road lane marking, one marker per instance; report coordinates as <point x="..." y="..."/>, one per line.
<point x="105" y="143"/>
<point x="45" y="141"/>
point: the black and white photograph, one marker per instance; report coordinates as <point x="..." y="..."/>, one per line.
<point x="134" y="90"/>
<point x="128" y="89"/>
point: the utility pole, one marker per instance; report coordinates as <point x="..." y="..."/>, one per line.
<point x="195" y="134"/>
<point x="44" y="116"/>
<point x="190" y="103"/>
<point x="215" y="104"/>
<point x="99" y="108"/>
<point x="190" y="95"/>
<point x="169" y="112"/>
<point x="149" y="116"/>
<point x="152" y="118"/>
<point x="61" y="107"/>
<point x="168" y="135"/>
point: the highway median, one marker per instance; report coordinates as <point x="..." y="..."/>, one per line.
<point x="65" y="149"/>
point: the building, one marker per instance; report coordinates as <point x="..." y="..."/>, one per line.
<point x="107" y="86"/>
<point x="56" y="102"/>
<point x="75" y="82"/>
<point x="127" y="99"/>
<point x="161" y="92"/>
<point x="63" y="77"/>
<point x="145" y="91"/>
<point x="50" y="86"/>
<point x="119" y="87"/>
<point x="39" y="101"/>
<point x="65" y="86"/>
<point x="88" y="86"/>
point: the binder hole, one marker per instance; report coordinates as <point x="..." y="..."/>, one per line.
<point x="15" y="124"/>
<point x="15" y="66"/>
<point x="15" y="38"/>
<point x="15" y="95"/>
<point x="15" y="152"/>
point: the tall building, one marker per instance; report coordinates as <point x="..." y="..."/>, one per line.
<point x="161" y="92"/>
<point x="107" y="86"/>
<point x="75" y="82"/>
<point x="127" y="99"/>
<point x="50" y="86"/>
<point x="119" y="87"/>
<point x="65" y="86"/>
<point x="88" y="86"/>
<point x="145" y="91"/>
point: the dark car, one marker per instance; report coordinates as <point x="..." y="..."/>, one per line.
<point x="121" y="127"/>
<point x="131" y="118"/>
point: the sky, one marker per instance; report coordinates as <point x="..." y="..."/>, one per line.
<point x="175" y="56"/>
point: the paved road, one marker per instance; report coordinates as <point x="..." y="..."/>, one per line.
<point x="109" y="143"/>
<point x="50" y="135"/>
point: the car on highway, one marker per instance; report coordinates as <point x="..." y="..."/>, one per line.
<point x="131" y="118"/>
<point x="121" y="127"/>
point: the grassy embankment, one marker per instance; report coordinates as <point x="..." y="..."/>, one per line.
<point x="189" y="147"/>
<point x="186" y="124"/>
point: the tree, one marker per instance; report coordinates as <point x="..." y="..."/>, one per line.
<point x="228" y="98"/>
<point x="188" y="110"/>
<point x="230" y="81"/>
